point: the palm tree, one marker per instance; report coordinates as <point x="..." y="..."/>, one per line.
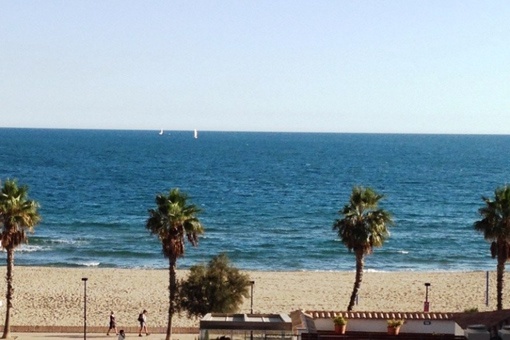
<point x="495" y="226"/>
<point x="172" y="221"/>
<point x="18" y="215"/>
<point x="362" y="227"/>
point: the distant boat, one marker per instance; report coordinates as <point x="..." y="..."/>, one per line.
<point x="195" y="134"/>
<point x="161" y="132"/>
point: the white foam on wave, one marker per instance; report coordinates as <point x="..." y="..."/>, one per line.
<point x="67" y="241"/>
<point x="27" y="248"/>
<point x="403" y="252"/>
<point x="89" y="264"/>
<point x="369" y="270"/>
<point x="320" y="270"/>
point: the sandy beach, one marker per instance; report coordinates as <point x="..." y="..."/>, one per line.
<point x="54" y="296"/>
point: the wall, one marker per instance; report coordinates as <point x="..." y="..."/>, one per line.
<point x="379" y="325"/>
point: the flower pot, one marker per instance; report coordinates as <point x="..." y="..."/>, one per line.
<point x="340" y="329"/>
<point x="393" y="330"/>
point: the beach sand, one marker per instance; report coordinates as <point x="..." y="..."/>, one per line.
<point x="54" y="296"/>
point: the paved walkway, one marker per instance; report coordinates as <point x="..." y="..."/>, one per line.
<point x="96" y="336"/>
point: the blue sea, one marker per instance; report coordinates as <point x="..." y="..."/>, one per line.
<point x="268" y="200"/>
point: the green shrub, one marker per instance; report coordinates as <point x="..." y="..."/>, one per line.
<point x="216" y="288"/>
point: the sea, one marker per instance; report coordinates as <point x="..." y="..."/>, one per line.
<point x="267" y="200"/>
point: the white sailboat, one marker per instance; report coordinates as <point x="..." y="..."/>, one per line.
<point x="195" y="133"/>
<point x="161" y="132"/>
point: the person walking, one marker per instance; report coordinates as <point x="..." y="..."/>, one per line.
<point x="142" y="318"/>
<point x="113" y="325"/>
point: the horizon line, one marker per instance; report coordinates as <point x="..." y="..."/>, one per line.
<point x="264" y="131"/>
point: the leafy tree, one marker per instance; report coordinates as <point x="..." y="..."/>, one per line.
<point x="216" y="288"/>
<point x="495" y="226"/>
<point x="362" y="227"/>
<point x="18" y="215"/>
<point x="173" y="221"/>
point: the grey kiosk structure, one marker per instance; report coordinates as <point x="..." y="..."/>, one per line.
<point x="219" y="326"/>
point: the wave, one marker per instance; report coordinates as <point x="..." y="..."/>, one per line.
<point x="27" y="248"/>
<point x="369" y="270"/>
<point x="72" y="264"/>
<point x="67" y="241"/>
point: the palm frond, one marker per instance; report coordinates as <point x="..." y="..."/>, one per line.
<point x="495" y="221"/>
<point x="362" y="225"/>
<point x="18" y="214"/>
<point x="174" y="220"/>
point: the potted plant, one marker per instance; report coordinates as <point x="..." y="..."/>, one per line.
<point x="340" y="324"/>
<point x="394" y="326"/>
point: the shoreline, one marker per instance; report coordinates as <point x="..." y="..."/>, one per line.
<point x="52" y="296"/>
<point x="94" y="267"/>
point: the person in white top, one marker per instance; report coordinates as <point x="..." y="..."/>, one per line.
<point x="142" y="318"/>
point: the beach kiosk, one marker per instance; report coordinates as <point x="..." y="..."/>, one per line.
<point x="219" y="326"/>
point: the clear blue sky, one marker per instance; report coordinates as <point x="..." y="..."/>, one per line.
<point x="417" y="66"/>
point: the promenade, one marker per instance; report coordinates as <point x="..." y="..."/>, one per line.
<point x="95" y="336"/>
<point x="96" y="333"/>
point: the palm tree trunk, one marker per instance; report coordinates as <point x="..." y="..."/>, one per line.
<point x="499" y="286"/>
<point x="171" y="288"/>
<point x="9" y="294"/>
<point x="359" y="277"/>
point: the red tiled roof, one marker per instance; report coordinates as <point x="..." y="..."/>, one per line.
<point x="492" y="320"/>
<point x="382" y="315"/>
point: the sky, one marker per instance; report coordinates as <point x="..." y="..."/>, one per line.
<point x="400" y="66"/>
